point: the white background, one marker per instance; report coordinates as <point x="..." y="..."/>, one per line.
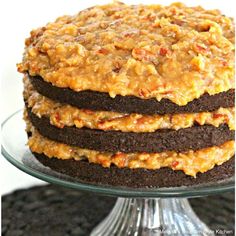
<point x="17" y="18"/>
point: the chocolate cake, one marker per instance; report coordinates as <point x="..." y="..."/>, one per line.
<point x="137" y="96"/>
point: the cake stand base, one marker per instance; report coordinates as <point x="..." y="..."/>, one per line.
<point x="151" y="217"/>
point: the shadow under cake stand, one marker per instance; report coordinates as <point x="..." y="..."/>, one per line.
<point x="147" y="211"/>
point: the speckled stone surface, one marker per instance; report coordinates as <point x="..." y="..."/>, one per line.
<point x="57" y="211"/>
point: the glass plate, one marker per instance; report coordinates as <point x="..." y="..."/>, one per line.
<point x="14" y="149"/>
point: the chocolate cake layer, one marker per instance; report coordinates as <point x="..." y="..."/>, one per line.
<point x="136" y="178"/>
<point x="194" y="138"/>
<point x="130" y="104"/>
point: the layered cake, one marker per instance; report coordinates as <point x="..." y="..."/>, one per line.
<point x="138" y="96"/>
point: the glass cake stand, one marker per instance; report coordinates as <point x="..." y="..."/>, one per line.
<point x="147" y="211"/>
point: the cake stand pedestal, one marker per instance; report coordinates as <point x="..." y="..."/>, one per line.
<point x="149" y="217"/>
<point x="147" y="211"/>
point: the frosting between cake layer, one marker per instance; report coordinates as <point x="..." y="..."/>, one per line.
<point x="62" y="115"/>
<point x="190" y="162"/>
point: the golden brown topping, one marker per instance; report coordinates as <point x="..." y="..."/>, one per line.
<point x="174" y="52"/>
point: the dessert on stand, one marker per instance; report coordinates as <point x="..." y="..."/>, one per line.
<point x="134" y="101"/>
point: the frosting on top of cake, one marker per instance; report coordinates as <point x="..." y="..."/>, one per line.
<point x="148" y="51"/>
